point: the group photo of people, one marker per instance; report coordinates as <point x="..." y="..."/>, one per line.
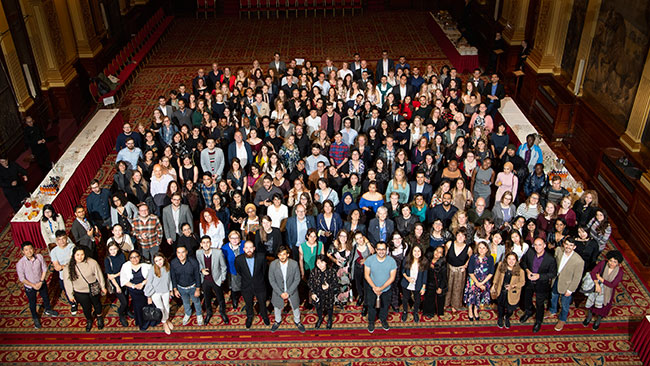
<point x="295" y="187"/>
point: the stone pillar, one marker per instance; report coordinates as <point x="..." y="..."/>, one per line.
<point x="584" y="48"/>
<point x="514" y="30"/>
<point x="14" y="68"/>
<point x="640" y="112"/>
<point x="513" y="19"/>
<point x="86" y="37"/>
<point x="550" y="35"/>
<point x="55" y="50"/>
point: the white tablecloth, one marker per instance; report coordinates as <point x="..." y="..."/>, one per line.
<point x="69" y="161"/>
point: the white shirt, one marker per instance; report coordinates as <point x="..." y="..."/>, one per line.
<point x="241" y="154"/>
<point x="313" y="124"/>
<point x="175" y="214"/>
<point x="563" y="262"/>
<point x="386" y="67"/>
<point x="277" y="214"/>
<point x="413" y="274"/>
<point x="160" y="186"/>
<point x="216" y="234"/>
<point x="402" y="92"/>
<point x="520" y="251"/>
<point x="283" y="268"/>
<point x="348" y="136"/>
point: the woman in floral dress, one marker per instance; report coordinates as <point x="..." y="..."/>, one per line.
<point x="340" y="253"/>
<point x="480" y="271"/>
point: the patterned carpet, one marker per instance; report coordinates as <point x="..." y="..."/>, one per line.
<point x="452" y="340"/>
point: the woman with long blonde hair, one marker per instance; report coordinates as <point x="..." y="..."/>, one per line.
<point x="399" y="184"/>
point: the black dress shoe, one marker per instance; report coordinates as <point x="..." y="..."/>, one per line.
<point x="89" y="325"/>
<point x="596" y="323"/>
<point x="207" y="319"/>
<point x="318" y="322"/>
<point x="404" y="317"/>
<point x="301" y="327"/>
<point x="224" y="317"/>
<point x="364" y="312"/>
<point x="130" y="314"/>
<point x="587" y="319"/>
<point x="235" y="304"/>
<point x="329" y="323"/>
<point x="275" y="326"/>
<point x="416" y="318"/>
<point x="525" y="317"/>
<point x="537" y="327"/>
<point x="359" y="301"/>
<point x="100" y="323"/>
<point x="37" y="323"/>
<point x="266" y="321"/>
<point x="123" y="321"/>
<point x="249" y="322"/>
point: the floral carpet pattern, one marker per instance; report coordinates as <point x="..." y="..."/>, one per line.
<point x="450" y="340"/>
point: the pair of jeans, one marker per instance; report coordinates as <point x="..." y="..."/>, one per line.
<point x="149" y="253"/>
<point x="161" y="300"/>
<point x="371" y="300"/>
<point x="187" y="295"/>
<point x="31" y="297"/>
<point x="565" y="303"/>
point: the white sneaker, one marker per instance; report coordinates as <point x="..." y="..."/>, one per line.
<point x="186" y="319"/>
<point x="199" y="319"/>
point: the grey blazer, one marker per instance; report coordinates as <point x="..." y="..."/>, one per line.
<point x="218" y="267"/>
<point x="184" y="216"/>
<point x="277" y="283"/>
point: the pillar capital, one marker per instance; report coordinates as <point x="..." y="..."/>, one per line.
<point x="514" y="30"/>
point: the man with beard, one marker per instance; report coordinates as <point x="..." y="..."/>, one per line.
<point x="251" y="267"/>
<point x="445" y="211"/>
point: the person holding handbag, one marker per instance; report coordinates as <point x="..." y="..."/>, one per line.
<point x="84" y="281"/>
<point x="133" y="276"/>
<point x="112" y="266"/>
<point x="158" y="289"/>
<point x="607" y="275"/>
<point x="509" y="279"/>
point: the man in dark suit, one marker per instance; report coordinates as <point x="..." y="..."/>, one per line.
<point x="195" y="82"/>
<point x="492" y="94"/>
<point x="403" y="89"/>
<point x="35" y="140"/>
<point x="297" y="226"/>
<point x="84" y="231"/>
<point x="394" y="117"/>
<point x="420" y="186"/>
<point x="174" y="216"/>
<point x="356" y="62"/>
<point x="453" y="75"/>
<point x="358" y="73"/>
<point x="479" y="83"/>
<point x="251" y="267"/>
<point x="381" y="227"/>
<point x="541" y="269"/>
<point x="214" y="76"/>
<point x="356" y="103"/>
<point x="372" y="122"/>
<point x="384" y="65"/>
<point x="278" y="66"/>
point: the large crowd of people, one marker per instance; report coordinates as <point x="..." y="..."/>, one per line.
<point x="305" y="186"/>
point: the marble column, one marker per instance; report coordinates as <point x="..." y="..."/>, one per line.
<point x="550" y="35"/>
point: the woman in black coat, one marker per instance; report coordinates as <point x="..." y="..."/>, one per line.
<point x="434" y="296"/>
<point x="323" y="286"/>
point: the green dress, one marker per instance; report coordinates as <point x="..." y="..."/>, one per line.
<point x="309" y="257"/>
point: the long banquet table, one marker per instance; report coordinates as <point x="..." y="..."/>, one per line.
<point x="77" y="167"/>
<point x="462" y="62"/>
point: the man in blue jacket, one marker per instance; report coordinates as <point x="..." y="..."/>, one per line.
<point x="297" y="226"/>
